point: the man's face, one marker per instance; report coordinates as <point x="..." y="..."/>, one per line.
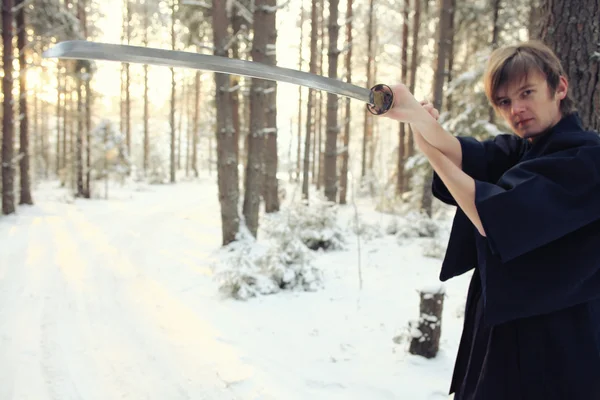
<point x="528" y="105"/>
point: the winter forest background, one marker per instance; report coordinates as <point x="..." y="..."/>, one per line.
<point x="292" y="173"/>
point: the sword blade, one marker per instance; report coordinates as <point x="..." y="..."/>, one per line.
<point x="86" y="50"/>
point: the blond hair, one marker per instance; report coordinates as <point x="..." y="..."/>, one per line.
<point x="514" y="63"/>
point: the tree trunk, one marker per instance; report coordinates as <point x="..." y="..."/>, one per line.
<point x="59" y="91"/>
<point x="172" y="164"/>
<point x="311" y="98"/>
<point x="79" y="138"/>
<point x="345" y="153"/>
<point x="128" y="84"/>
<point x="122" y="98"/>
<point x="73" y="136"/>
<point x="300" y="64"/>
<point x="25" y="197"/>
<point x="105" y="142"/>
<point x="146" y="105"/>
<point x="534" y="19"/>
<point x="368" y="121"/>
<point x="180" y="123"/>
<point x="403" y="78"/>
<point x="122" y="76"/>
<point x="236" y="23"/>
<point x="414" y="66"/>
<point x="442" y="53"/>
<point x="494" y="44"/>
<point x="35" y="135"/>
<point x="572" y="30"/>
<point x="8" y="171"/>
<point x="318" y="159"/>
<point x="196" y="129"/>
<point x="426" y="336"/>
<point x="87" y="192"/>
<point x="332" y="108"/>
<point x="65" y="127"/>
<point x="172" y="124"/>
<point x="270" y="156"/>
<point x="316" y="151"/>
<point x="42" y="124"/>
<point x="446" y="14"/>
<point x="227" y="160"/>
<point x="188" y="129"/>
<point x="253" y="176"/>
<point x="450" y="53"/>
<point x="88" y="138"/>
<point x="44" y="138"/>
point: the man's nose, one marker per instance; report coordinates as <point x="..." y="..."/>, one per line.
<point x="517" y="107"/>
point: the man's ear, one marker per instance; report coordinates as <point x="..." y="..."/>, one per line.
<point x="562" y="88"/>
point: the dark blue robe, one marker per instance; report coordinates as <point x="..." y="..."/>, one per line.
<point x="532" y="319"/>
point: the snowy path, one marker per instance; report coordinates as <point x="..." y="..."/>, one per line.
<point x="81" y="319"/>
<point x="114" y="300"/>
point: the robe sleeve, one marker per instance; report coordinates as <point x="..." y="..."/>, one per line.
<point x="540" y="201"/>
<point x="485" y="161"/>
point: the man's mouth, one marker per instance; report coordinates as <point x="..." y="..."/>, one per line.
<point x="523" y="121"/>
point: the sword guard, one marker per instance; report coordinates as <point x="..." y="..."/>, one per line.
<point x="380" y="100"/>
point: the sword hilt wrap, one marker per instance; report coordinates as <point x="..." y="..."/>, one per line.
<point x="380" y="100"/>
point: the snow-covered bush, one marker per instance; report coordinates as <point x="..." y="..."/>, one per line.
<point x="157" y="173"/>
<point x="109" y="158"/>
<point x="392" y="227"/>
<point x="238" y="273"/>
<point x="387" y="200"/>
<point x="288" y="263"/>
<point x="420" y="226"/>
<point x="434" y="248"/>
<point x="315" y="224"/>
<point x="283" y="260"/>
<point x="416" y="225"/>
<point x="368" y="185"/>
<point x="365" y="229"/>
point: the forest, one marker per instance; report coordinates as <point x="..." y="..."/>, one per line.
<point x="132" y="193"/>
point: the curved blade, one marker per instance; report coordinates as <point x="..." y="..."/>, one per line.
<point x="86" y="50"/>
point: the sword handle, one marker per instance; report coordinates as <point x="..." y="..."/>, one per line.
<point x="380" y="100"/>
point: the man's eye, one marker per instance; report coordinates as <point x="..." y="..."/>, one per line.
<point x="527" y="93"/>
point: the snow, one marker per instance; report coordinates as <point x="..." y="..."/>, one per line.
<point x="117" y="298"/>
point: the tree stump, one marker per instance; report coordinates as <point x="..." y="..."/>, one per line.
<point x="426" y="336"/>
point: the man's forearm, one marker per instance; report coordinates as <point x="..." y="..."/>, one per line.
<point x="460" y="185"/>
<point x="419" y="114"/>
<point x="439" y="138"/>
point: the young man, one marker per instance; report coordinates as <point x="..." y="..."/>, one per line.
<point x="528" y="222"/>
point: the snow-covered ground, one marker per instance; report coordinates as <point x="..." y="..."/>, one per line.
<point x="116" y="299"/>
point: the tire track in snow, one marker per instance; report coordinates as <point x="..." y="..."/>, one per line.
<point x="96" y="340"/>
<point x="24" y="294"/>
<point x="159" y="373"/>
<point x="184" y="340"/>
<point x="68" y="340"/>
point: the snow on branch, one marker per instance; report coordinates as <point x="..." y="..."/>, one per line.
<point x="273" y="9"/>
<point x="199" y="3"/>
<point x="19" y="6"/>
<point x="243" y="11"/>
<point x="201" y="45"/>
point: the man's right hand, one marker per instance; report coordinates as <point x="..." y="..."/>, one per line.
<point x="434" y="112"/>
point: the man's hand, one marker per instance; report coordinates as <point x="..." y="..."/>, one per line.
<point x="430" y="109"/>
<point x="406" y="108"/>
<point x="420" y="141"/>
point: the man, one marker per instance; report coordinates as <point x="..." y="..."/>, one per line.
<point x="528" y="222"/>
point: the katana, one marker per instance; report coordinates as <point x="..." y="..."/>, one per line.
<point x="379" y="99"/>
